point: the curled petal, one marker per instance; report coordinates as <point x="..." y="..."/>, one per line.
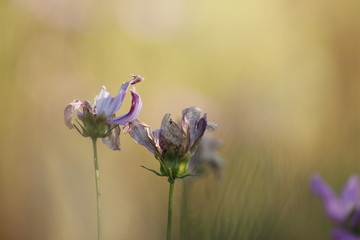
<point x="110" y="105"/>
<point x="211" y="126"/>
<point x="113" y="140"/>
<point x="335" y="210"/>
<point x="142" y="134"/>
<point x="68" y="113"/>
<point x="134" y="112"/>
<point x="340" y="234"/>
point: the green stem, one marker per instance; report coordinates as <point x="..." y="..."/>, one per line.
<point x="169" y="223"/>
<point x="97" y="180"/>
<point x="184" y="211"/>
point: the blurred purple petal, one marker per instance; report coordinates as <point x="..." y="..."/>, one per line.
<point x="333" y="206"/>
<point x="350" y="195"/>
<point x="339" y="234"/>
<point x="134" y="112"/>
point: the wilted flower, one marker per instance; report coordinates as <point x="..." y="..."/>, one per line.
<point x="99" y="120"/>
<point x="174" y="143"/>
<point x="343" y="210"/>
<point x="206" y="155"/>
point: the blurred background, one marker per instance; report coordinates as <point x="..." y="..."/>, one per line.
<point x="281" y="79"/>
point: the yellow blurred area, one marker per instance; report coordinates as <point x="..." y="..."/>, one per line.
<point x="281" y="79"/>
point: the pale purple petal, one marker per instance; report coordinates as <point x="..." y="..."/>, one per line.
<point x="141" y="133"/>
<point x="113" y="140"/>
<point x="68" y="112"/>
<point x="103" y="101"/>
<point x="339" y="234"/>
<point x="333" y="206"/>
<point x="350" y="195"/>
<point x="110" y="105"/>
<point x="134" y="112"/>
<point x="116" y="102"/>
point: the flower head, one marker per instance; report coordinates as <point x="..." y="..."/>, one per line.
<point x="206" y="155"/>
<point x="99" y="120"/>
<point x="343" y="210"/>
<point x="174" y="143"/>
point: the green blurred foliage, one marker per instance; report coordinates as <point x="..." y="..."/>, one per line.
<point x="281" y="78"/>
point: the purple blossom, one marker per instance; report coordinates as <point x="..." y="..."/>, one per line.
<point x="206" y="155"/>
<point x="99" y="119"/>
<point x="340" y="234"/>
<point x="343" y="210"/>
<point x="174" y="143"/>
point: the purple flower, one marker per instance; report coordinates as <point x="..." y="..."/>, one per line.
<point x="99" y="119"/>
<point x="174" y="143"/>
<point x="206" y="155"/>
<point x="343" y="210"/>
<point x="340" y="234"/>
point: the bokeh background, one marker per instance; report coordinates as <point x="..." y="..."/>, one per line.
<point x="281" y="79"/>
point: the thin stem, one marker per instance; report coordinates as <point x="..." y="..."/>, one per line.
<point x="169" y="223"/>
<point x="97" y="180"/>
<point x="184" y="224"/>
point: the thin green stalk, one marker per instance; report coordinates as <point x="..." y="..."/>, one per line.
<point x="184" y="224"/>
<point x="169" y="223"/>
<point x="97" y="180"/>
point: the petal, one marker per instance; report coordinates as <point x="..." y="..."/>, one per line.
<point x="198" y="133"/>
<point x="340" y="234"/>
<point x="196" y="124"/>
<point x="102" y="101"/>
<point x="205" y="154"/>
<point x="141" y="133"/>
<point x="350" y="195"/>
<point x="113" y="140"/>
<point x="114" y="104"/>
<point x="171" y="132"/>
<point x="68" y="113"/>
<point x="134" y="112"/>
<point x="333" y="206"/>
<point x="211" y="127"/>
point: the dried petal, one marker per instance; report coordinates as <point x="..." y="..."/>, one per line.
<point x="113" y="140"/>
<point x="171" y="132"/>
<point x="142" y="134"/>
<point x="68" y="113"/>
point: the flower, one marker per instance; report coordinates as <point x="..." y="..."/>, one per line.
<point x="99" y="120"/>
<point x="206" y="155"/>
<point x="340" y="234"/>
<point x="343" y="210"/>
<point x="174" y="143"/>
